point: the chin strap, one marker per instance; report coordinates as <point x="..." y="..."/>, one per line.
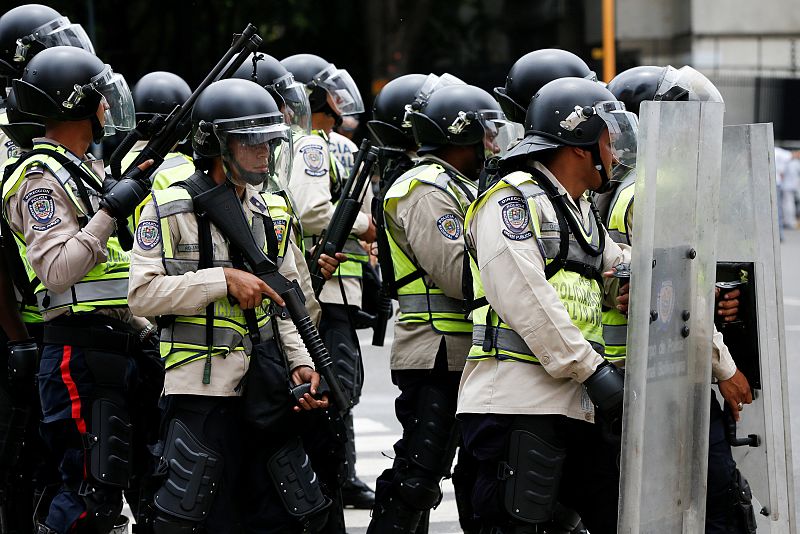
<point x="597" y="161"/>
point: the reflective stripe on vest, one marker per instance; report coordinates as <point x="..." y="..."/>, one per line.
<point x="615" y="324"/>
<point x="184" y="340"/>
<point x="582" y="296"/>
<point x="175" y="168"/>
<point x="106" y="284"/>
<point x="421" y="301"/>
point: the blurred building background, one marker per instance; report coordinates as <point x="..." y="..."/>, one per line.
<point x="749" y="48"/>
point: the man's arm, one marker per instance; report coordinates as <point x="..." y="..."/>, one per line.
<point x="151" y="292"/>
<point x="59" y="250"/>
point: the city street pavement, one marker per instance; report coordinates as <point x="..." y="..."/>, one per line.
<point x="790" y="257"/>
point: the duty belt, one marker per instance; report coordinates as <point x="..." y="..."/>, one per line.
<point x="429" y="303"/>
<point x="93" y="336"/>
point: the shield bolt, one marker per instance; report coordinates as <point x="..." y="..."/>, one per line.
<point x="691" y="254"/>
<point x="653" y="315"/>
<point x="686" y="315"/>
<point x="685" y="331"/>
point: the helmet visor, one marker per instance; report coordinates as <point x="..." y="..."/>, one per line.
<point x="623" y="128"/>
<point x="686" y="84"/>
<point x="344" y="94"/>
<point x="431" y="84"/>
<point x="119" y="114"/>
<point x="57" y="32"/>
<point x="298" y="109"/>
<point x="259" y="155"/>
<point x="499" y="134"/>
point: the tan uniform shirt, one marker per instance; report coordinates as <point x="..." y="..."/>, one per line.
<point x="414" y="226"/>
<point x="344" y="150"/>
<point x="513" y="277"/>
<point x="722" y="365"/>
<point x="309" y="185"/>
<point x="152" y="292"/>
<point x="60" y="252"/>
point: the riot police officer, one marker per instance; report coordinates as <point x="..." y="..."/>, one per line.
<point x="220" y="328"/>
<point x="315" y="184"/>
<point x="535" y="384"/>
<point x="424" y="215"/>
<point x="93" y="345"/>
<point x="632" y="87"/>
<point x="25" y="31"/>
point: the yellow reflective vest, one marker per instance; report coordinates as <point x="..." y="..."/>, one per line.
<point x="420" y="302"/>
<point x="615" y="324"/>
<point x="184" y="339"/>
<point x="106" y="284"/>
<point x="575" y="276"/>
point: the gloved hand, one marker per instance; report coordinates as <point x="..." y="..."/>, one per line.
<point x="121" y="198"/>
<point x="23" y="359"/>
<point x="605" y="388"/>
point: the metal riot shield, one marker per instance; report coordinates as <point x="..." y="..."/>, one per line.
<point x="748" y="255"/>
<point x="664" y="457"/>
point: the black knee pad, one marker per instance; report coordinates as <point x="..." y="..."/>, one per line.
<point x="532" y="475"/>
<point x="109" y="443"/>
<point x="296" y="482"/>
<point x="420" y="493"/>
<point x="194" y="472"/>
<point x="433" y="438"/>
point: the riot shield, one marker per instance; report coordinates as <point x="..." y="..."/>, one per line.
<point x="748" y="256"/>
<point x="668" y="370"/>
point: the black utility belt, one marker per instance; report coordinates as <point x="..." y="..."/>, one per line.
<point x="91" y="332"/>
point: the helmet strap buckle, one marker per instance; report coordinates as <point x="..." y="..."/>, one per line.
<point x="463" y="120"/>
<point x="578" y="115"/>
<point x="23" y="44"/>
<point x="75" y="97"/>
<point x="202" y="133"/>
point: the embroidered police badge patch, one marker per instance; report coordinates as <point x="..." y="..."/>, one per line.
<point x="314" y="159"/>
<point x="515" y="218"/>
<point x="148" y="235"/>
<point x="280" y="229"/>
<point x="42" y="208"/>
<point x="449" y="226"/>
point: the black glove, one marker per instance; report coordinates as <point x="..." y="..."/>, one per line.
<point x="121" y="199"/>
<point x="23" y="358"/>
<point x="605" y="388"/>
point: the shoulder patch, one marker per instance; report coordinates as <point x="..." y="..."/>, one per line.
<point x="148" y="235"/>
<point x="314" y="158"/>
<point x="515" y="218"/>
<point x="449" y="226"/>
<point x="42" y="208"/>
<point x="280" y="229"/>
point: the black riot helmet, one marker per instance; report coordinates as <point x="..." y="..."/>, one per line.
<point x="65" y="83"/>
<point x="531" y="72"/>
<point x="290" y="95"/>
<point x="575" y="112"/>
<point x="28" y="29"/>
<point x="460" y="115"/>
<point x="20" y="127"/>
<point x="388" y="125"/>
<point x="324" y="82"/>
<point x="645" y="83"/>
<point x="239" y="121"/>
<point x="158" y="93"/>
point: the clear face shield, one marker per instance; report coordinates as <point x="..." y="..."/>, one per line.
<point x="259" y="155"/>
<point x="686" y="84"/>
<point x="297" y="111"/>
<point x="623" y="129"/>
<point x="431" y="84"/>
<point x="58" y="32"/>
<point x="344" y="95"/>
<point x="499" y="134"/>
